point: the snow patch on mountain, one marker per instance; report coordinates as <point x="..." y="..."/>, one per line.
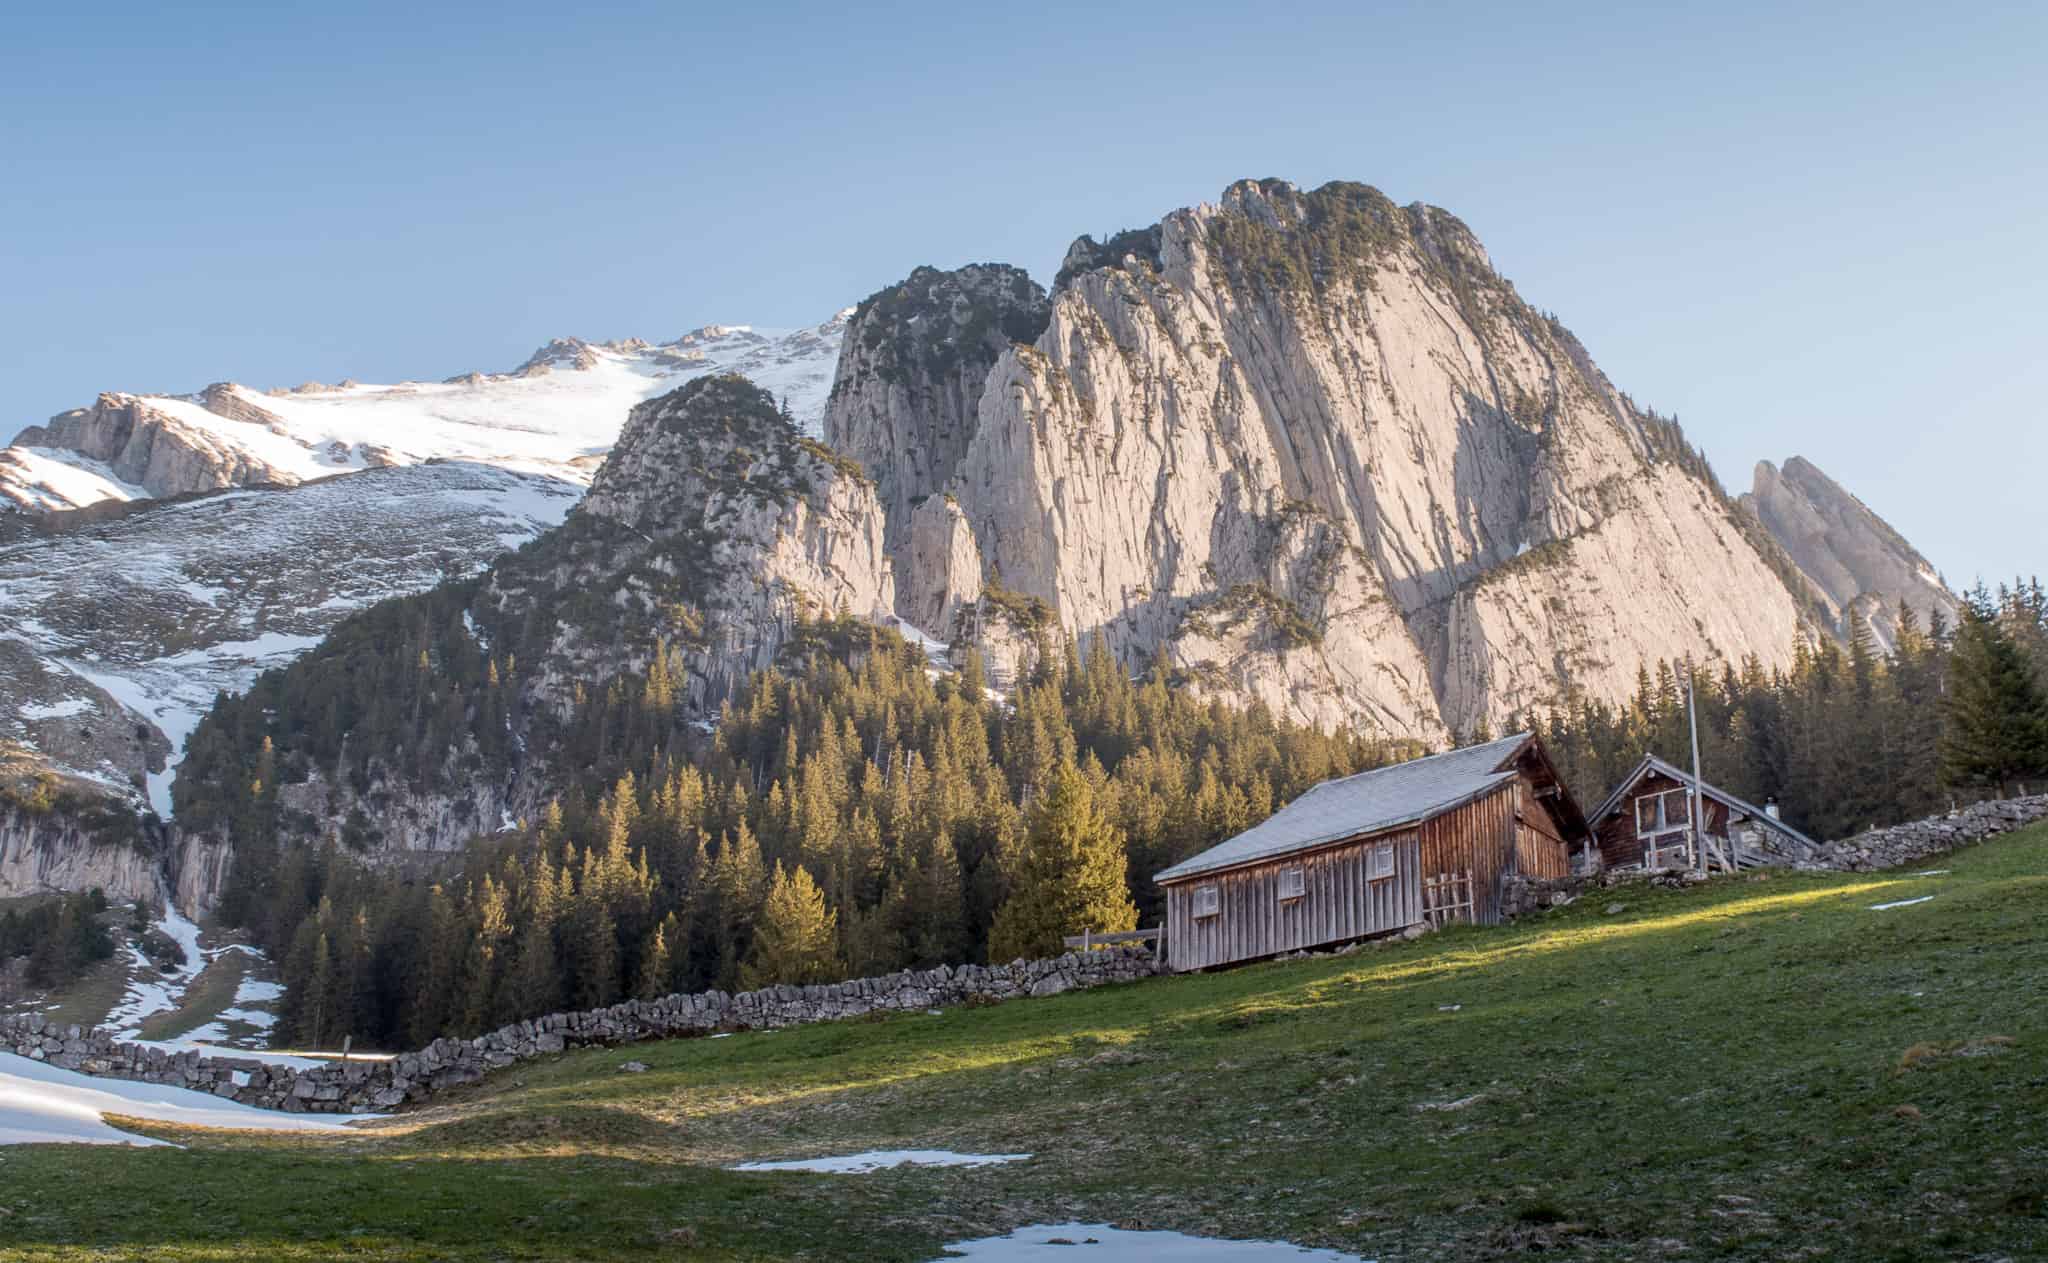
<point x="151" y="614"/>
<point x="556" y="414"/>
<point x="50" y="478"/>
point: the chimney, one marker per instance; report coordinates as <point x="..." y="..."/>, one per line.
<point x="1771" y="808"/>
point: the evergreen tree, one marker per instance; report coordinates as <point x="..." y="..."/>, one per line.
<point x="797" y="938"/>
<point x="1997" y="711"/>
<point x="1070" y="875"/>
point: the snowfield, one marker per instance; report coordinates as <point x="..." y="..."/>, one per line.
<point x="40" y="1104"/>
<point x="51" y="478"/>
<point x="556" y="414"/>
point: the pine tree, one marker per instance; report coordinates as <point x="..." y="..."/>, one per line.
<point x="1070" y="875"/>
<point x="797" y="936"/>
<point x="657" y="961"/>
<point x="1997" y="712"/>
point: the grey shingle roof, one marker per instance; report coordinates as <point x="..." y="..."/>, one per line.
<point x="1369" y="802"/>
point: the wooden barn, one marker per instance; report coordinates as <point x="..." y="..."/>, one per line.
<point x="1646" y="823"/>
<point x="1427" y="840"/>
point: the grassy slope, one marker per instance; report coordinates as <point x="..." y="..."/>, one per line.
<point x="1759" y="1069"/>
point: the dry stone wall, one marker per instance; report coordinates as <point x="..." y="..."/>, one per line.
<point x="366" y="1086"/>
<point x="1906" y="843"/>
<point x="1866" y="852"/>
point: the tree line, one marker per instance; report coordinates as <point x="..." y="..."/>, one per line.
<point x="1848" y="736"/>
<point x="850" y="815"/>
<point x="852" y="812"/>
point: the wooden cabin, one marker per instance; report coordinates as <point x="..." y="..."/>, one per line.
<point x="1428" y="840"/>
<point x="1646" y="823"/>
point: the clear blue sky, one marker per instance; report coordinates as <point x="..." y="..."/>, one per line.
<point x="1818" y="232"/>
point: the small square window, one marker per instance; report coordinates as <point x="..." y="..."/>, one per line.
<point x="1207" y="902"/>
<point x="1293" y="883"/>
<point x="1379" y="862"/>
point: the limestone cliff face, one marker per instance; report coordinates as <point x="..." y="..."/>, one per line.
<point x="1317" y="448"/>
<point x="1847" y="552"/>
<point x="146" y="446"/>
<point x="60" y="833"/>
<point x="910" y="375"/>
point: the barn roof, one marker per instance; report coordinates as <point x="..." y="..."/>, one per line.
<point x="1367" y="803"/>
<point x="1651" y="763"/>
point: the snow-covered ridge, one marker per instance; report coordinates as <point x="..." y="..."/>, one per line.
<point x="556" y="414"/>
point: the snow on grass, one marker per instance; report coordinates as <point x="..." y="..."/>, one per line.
<point x="151" y="990"/>
<point x="1102" y="1242"/>
<point x="886" y="1159"/>
<point x="41" y="1104"/>
<point x="256" y="991"/>
<point x="56" y="710"/>
<point x="185" y="934"/>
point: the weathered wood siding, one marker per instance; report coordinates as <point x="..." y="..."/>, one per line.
<point x="1479" y="838"/>
<point x="1338" y="905"/>
<point x="1616" y="833"/>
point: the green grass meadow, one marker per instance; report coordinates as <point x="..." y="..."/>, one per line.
<point x="1762" y="1067"/>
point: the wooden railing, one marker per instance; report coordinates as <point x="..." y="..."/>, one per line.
<point x="1088" y="940"/>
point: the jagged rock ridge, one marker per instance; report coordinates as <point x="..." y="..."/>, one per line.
<point x="910" y="375"/>
<point x="1846" y="551"/>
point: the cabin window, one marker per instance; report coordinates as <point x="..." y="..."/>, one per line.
<point x="1293" y="883"/>
<point x="1661" y="813"/>
<point x="1208" y="902"/>
<point x="1379" y="862"/>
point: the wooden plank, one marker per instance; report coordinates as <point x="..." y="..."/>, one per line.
<point x="1109" y="940"/>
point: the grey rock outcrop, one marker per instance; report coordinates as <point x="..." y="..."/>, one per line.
<point x="910" y="377"/>
<point x="1846" y="551"/>
<point x="711" y="502"/>
<point x="80" y="840"/>
<point x="144" y="444"/>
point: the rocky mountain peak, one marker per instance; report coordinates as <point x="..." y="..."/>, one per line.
<point x="1850" y="555"/>
<point x="713" y="436"/>
<point x="1312" y="446"/>
<point x="915" y="357"/>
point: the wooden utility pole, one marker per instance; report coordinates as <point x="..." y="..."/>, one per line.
<point x="1692" y="710"/>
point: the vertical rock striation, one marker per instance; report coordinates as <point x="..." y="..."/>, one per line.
<point x="910" y="374"/>
<point x="1313" y="446"/>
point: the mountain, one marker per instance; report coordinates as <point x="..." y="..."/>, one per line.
<point x="217" y="540"/>
<point x="1312" y="448"/>
<point x="712" y="531"/>
<point x="1845" y="550"/>
<point x="555" y="414"/>
<point x="1307" y="449"/>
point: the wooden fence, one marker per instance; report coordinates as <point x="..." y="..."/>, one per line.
<point x="1447" y="897"/>
<point x="1088" y="941"/>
